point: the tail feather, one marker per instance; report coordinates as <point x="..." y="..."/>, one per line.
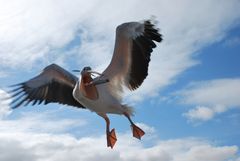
<point x="128" y="109"/>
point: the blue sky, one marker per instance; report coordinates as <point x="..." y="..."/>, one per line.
<point x="188" y="105"/>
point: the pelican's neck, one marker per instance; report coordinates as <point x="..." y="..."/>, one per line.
<point x="89" y="91"/>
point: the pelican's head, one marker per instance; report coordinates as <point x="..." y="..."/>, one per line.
<point x="86" y="74"/>
<point x="86" y="70"/>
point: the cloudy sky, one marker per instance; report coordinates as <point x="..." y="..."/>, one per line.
<point x="189" y="105"/>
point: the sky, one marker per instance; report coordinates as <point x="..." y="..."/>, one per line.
<point x="188" y="106"/>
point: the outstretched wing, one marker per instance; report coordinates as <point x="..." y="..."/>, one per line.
<point x="53" y="85"/>
<point x="133" y="46"/>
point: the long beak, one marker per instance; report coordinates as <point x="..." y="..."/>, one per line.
<point x="94" y="72"/>
<point x="100" y="81"/>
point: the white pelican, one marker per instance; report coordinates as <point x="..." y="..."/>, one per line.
<point x="101" y="94"/>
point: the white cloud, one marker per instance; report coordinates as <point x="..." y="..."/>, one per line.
<point x="4" y="107"/>
<point x="33" y="31"/>
<point x="211" y="98"/>
<point x="30" y="30"/>
<point x="35" y="136"/>
<point x="36" y="122"/>
<point x="234" y="41"/>
<point x="184" y="34"/>
<point x="49" y="147"/>
<point x="3" y="74"/>
<point x="200" y="112"/>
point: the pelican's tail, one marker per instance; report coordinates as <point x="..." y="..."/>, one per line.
<point x="128" y="109"/>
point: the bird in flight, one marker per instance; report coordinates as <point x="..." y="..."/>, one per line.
<point x="98" y="92"/>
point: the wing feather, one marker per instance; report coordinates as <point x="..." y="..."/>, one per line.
<point x="53" y="85"/>
<point x="133" y="47"/>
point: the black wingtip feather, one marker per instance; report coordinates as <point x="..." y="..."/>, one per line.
<point x="37" y="90"/>
<point x="151" y="32"/>
<point x="141" y="51"/>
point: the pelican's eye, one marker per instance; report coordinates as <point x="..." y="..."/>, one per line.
<point x="87" y="68"/>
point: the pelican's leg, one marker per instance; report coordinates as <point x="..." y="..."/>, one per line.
<point x="137" y="132"/>
<point x="111" y="136"/>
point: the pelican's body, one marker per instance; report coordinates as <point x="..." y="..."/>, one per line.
<point x="102" y="94"/>
<point x="105" y="103"/>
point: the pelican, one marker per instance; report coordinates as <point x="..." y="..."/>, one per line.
<point x="98" y="92"/>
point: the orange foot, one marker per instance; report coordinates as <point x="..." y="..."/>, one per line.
<point x="137" y="132"/>
<point x="111" y="138"/>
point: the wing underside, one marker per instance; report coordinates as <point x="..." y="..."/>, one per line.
<point x="133" y="47"/>
<point x="53" y="85"/>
